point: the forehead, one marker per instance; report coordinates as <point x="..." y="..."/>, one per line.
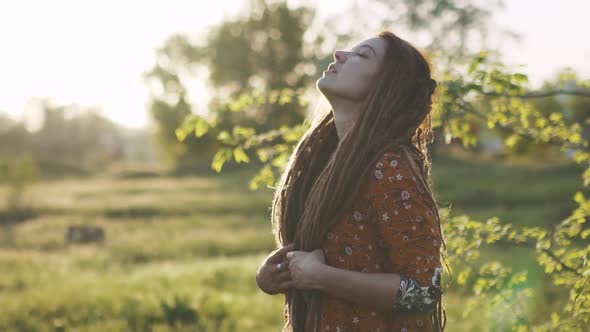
<point x="377" y="43"/>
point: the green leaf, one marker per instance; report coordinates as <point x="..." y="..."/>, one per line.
<point x="518" y="278"/>
<point x="264" y="154"/>
<point x="463" y="276"/>
<point x="240" y="155"/>
<point x="244" y="132"/>
<point x="180" y="134"/>
<point x="512" y="141"/>
<point x="556" y="116"/>
<point x="555" y="318"/>
<point x="201" y="127"/>
<point x="224" y="136"/>
<point x="221" y="156"/>
<point x="520" y="78"/>
<point x="579" y="197"/>
<point x="264" y="177"/>
<point x="477" y="61"/>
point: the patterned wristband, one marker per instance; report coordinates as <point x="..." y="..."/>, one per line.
<point x="413" y="298"/>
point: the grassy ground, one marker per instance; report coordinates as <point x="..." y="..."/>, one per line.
<point x="181" y="253"/>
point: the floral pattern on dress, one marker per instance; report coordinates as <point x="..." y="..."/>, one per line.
<point x="390" y="228"/>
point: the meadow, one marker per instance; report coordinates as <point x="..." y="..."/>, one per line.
<point x="181" y="253"/>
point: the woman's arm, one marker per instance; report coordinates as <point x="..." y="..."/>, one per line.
<point x="367" y="289"/>
<point x="385" y="291"/>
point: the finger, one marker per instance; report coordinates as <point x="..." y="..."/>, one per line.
<point x="279" y="254"/>
<point x="284" y="266"/>
<point x="286" y="285"/>
<point x="284" y="276"/>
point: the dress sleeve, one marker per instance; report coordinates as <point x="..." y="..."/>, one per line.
<point x="407" y="229"/>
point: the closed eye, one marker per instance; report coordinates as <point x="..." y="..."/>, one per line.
<point x="363" y="47"/>
<point x="361" y="54"/>
<point x="358" y="53"/>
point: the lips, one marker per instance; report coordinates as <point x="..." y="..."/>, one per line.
<point x="332" y="68"/>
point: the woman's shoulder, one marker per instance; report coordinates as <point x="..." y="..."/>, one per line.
<point x="389" y="170"/>
<point x="394" y="168"/>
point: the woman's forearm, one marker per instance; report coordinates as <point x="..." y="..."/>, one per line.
<point x="367" y="289"/>
<point x="384" y="291"/>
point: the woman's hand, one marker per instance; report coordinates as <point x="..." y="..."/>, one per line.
<point x="305" y="268"/>
<point x="272" y="280"/>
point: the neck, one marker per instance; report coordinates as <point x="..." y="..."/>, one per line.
<point x="345" y="114"/>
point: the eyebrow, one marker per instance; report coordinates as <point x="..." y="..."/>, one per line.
<point x="369" y="46"/>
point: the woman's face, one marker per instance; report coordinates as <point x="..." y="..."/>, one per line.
<point x="356" y="70"/>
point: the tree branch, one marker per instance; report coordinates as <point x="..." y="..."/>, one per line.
<point x="551" y="254"/>
<point x="470" y="109"/>
<point x="542" y="94"/>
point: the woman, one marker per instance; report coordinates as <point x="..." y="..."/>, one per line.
<point x="355" y="203"/>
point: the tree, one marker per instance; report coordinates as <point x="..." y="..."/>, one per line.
<point x="261" y="51"/>
<point x="76" y="135"/>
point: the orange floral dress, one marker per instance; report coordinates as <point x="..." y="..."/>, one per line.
<point x="391" y="228"/>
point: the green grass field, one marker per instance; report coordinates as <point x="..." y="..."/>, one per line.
<point x="181" y="253"/>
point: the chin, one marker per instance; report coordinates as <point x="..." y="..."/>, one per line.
<point x="323" y="85"/>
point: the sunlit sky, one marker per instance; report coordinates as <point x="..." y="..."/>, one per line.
<point x="93" y="53"/>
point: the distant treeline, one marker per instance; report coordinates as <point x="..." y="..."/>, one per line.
<point x="72" y="139"/>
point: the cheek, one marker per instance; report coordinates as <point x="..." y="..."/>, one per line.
<point x="354" y="82"/>
<point x="358" y="82"/>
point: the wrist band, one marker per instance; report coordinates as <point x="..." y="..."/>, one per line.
<point x="413" y="298"/>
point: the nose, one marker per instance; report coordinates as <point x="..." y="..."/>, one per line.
<point x="339" y="56"/>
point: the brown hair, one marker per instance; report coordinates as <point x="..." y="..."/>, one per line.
<point x="321" y="179"/>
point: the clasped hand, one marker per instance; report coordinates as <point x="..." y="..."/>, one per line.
<point x="305" y="268"/>
<point x="299" y="269"/>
